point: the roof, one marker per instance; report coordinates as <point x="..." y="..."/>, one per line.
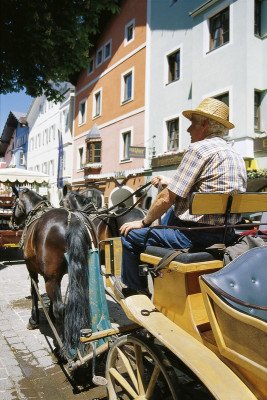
<point x="94" y="133"/>
<point x="11" y="124"/>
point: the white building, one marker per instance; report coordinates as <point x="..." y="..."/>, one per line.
<point x="47" y="121"/>
<point x="198" y="49"/>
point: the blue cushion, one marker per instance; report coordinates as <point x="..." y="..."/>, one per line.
<point x="243" y="282"/>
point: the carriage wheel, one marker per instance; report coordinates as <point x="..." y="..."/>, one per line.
<point x="138" y="369"/>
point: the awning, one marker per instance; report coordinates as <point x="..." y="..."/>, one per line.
<point x="17" y="175"/>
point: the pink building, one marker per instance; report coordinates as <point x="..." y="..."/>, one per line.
<point x="110" y="109"/>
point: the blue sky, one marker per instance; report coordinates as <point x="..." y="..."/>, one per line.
<point x="13" y="102"/>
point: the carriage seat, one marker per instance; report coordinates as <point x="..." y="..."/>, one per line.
<point x="242" y="283"/>
<point x="192" y="256"/>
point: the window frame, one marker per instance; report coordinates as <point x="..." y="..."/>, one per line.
<point x="257" y="17"/>
<point x="91" y="59"/>
<point x="80" y="157"/>
<point x="125" y="100"/>
<point x="257" y="113"/>
<point x="109" y="42"/>
<point x="82" y="121"/>
<point x="126" y="40"/>
<point x="94" y="110"/>
<point x="211" y="18"/>
<point x="93" y="143"/>
<point x="100" y="50"/>
<point x="177" y="135"/>
<point x="21" y="158"/>
<point x="123" y="133"/>
<point x="168" y="79"/>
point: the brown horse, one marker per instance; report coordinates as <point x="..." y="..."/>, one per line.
<point x="107" y="223"/>
<point x="48" y="234"/>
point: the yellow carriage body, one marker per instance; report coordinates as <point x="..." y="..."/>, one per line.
<point x="226" y="349"/>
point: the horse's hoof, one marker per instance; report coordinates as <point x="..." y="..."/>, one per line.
<point x="32" y="326"/>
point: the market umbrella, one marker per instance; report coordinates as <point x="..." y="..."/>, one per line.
<point x="17" y="175"/>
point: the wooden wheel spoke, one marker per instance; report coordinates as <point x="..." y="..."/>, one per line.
<point x="129" y="368"/>
<point x="122" y="381"/>
<point x="139" y="368"/>
<point x="153" y="381"/>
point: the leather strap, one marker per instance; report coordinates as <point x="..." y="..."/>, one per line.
<point x="168" y="258"/>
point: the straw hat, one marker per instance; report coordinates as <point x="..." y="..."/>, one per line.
<point x="214" y="109"/>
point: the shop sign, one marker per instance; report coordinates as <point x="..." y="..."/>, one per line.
<point x="165" y="161"/>
<point x="137" y="152"/>
<point x="260" y="144"/>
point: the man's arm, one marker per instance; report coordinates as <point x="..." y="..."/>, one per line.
<point x="161" y="204"/>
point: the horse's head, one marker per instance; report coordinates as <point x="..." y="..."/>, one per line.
<point x="25" y="202"/>
<point x="19" y="214"/>
<point x="76" y="201"/>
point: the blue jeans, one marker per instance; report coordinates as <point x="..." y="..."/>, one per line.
<point x="137" y="240"/>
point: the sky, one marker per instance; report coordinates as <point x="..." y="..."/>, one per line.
<point x="13" y="102"/>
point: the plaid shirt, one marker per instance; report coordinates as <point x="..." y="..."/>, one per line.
<point x="209" y="165"/>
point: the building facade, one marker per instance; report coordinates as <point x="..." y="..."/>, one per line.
<point x="50" y="140"/>
<point x="109" y="133"/>
<point x="199" y="49"/>
<point x="14" y="141"/>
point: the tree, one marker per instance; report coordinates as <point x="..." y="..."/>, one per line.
<point x="45" y="41"/>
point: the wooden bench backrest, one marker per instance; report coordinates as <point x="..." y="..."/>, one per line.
<point x="217" y="203"/>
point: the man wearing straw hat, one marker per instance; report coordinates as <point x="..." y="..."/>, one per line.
<point x="209" y="165"/>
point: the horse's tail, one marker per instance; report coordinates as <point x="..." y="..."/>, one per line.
<point x="77" y="314"/>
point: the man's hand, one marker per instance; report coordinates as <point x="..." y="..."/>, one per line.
<point x="125" y="228"/>
<point x="160" y="180"/>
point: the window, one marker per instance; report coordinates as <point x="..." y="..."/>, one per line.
<point x="21" y="158"/>
<point x="126" y="142"/>
<point x="54" y="131"/>
<point x="174" y="66"/>
<point x="173" y="134"/>
<point x="46" y="136"/>
<point x="82" y="112"/>
<point x="107" y="50"/>
<point x="127" y="87"/>
<point x="95" y="196"/>
<point x="97" y="102"/>
<point x="219" y="29"/>
<point x="257" y="110"/>
<point x="90" y="66"/>
<point x="223" y="97"/>
<point x="94" y="152"/>
<point x="129" y="32"/>
<point x="80" y="158"/>
<point x="44" y="168"/>
<point x="99" y="57"/>
<point x="51" y="168"/>
<point x="257" y="18"/>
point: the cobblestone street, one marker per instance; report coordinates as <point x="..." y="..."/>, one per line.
<point x="28" y="368"/>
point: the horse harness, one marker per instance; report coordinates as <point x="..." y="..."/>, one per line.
<point x="35" y="214"/>
<point x="84" y="218"/>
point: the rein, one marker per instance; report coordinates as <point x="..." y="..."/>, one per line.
<point x="107" y="210"/>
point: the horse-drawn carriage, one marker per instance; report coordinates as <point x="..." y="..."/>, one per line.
<point x="203" y="335"/>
